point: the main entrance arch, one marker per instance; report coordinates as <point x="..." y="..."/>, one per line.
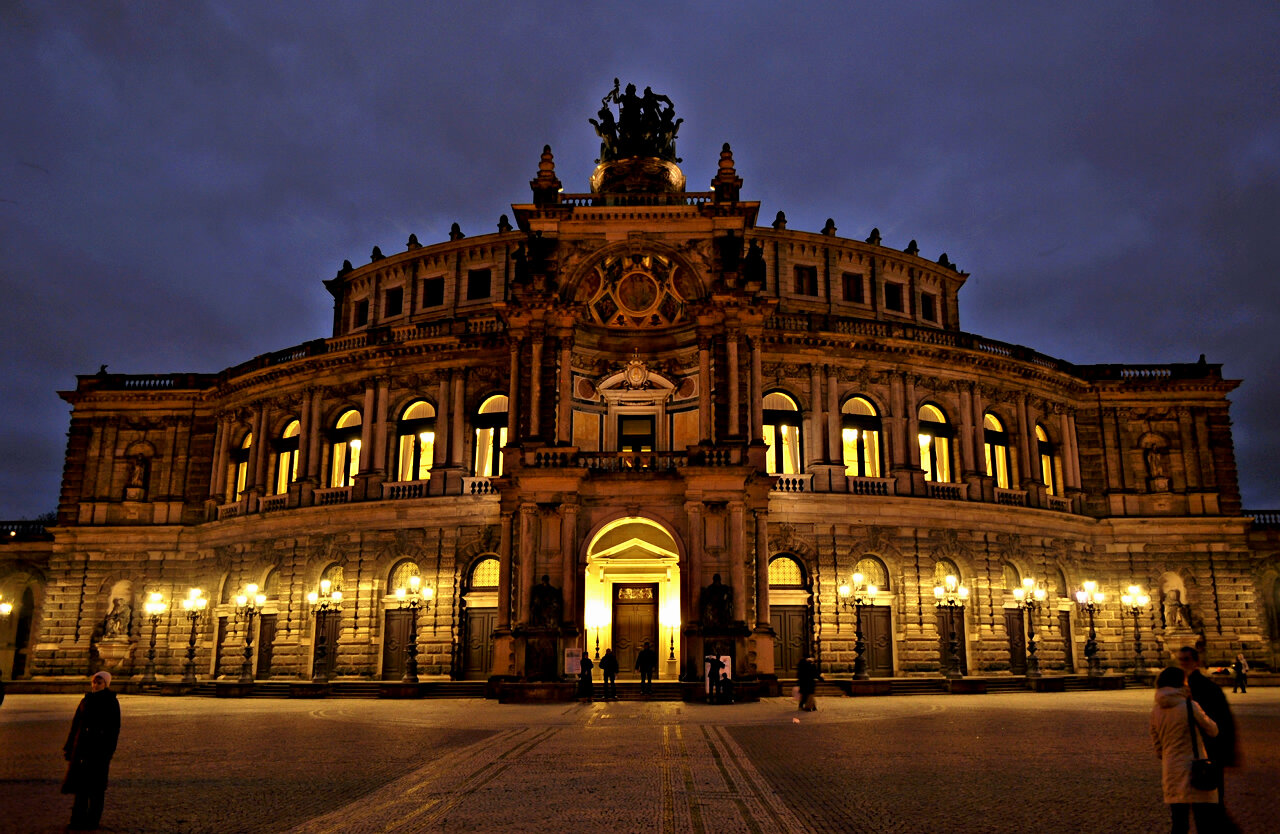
<point x="633" y="594"/>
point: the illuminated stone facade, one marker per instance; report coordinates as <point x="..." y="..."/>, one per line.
<point x="645" y="397"/>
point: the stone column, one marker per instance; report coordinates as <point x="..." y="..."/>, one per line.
<point x="444" y="432"/>
<point x="966" y="430"/>
<point x="313" y="437"/>
<point x="457" y="402"/>
<point x="897" y="420"/>
<point x="817" y="433"/>
<point x="1024" y="443"/>
<point x="367" y="420"/>
<point x="737" y="552"/>
<point x="535" y="386"/>
<point x="835" y="423"/>
<point x="258" y="464"/>
<point x="705" y="417"/>
<point x="735" y="407"/>
<point x="692" y="572"/>
<point x="528" y="559"/>
<point x="762" y="569"/>
<point x="306" y="424"/>
<point x="218" y="485"/>
<point x="513" y="392"/>
<point x="1070" y="454"/>
<point x="564" y="403"/>
<point x="756" y="429"/>
<point x="504" y="572"/>
<point x="380" y="429"/>
<point x="569" y="560"/>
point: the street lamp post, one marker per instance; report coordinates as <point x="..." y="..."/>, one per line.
<point x="194" y="606"/>
<point x="154" y="608"/>
<point x="327" y="600"/>
<point x="413" y="598"/>
<point x="1090" y="600"/>
<point x="248" y="606"/>
<point x="950" y="598"/>
<point x="1135" y="600"/>
<point x="1029" y="596"/>
<point x="855" y="594"/>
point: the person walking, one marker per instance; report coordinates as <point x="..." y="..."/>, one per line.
<point x="609" y="669"/>
<point x="1222" y="747"/>
<point x="1179" y="728"/>
<point x="95" y="729"/>
<point x="1241" y="671"/>
<point x="646" y="665"/>
<point x="807" y="675"/>
<point x="585" y="687"/>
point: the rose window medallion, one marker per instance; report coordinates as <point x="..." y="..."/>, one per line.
<point x="635" y="291"/>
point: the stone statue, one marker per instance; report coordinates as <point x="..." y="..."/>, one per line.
<point x="117" y="622"/>
<point x="716" y="604"/>
<point x="137" y="472"/>
<point x="753" y="267"/>
<point x="1175" y="611"/>
<point x="645" y="126"/>
<point x="1155" y="462"/>
<point x="546" y="605"/>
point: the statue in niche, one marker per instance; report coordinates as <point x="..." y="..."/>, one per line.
<point x="117" y="621"/>
<point x="753" y="268"/>
<point x="136" y="480"/>
<point x="1156" y="466"/>
<point x="1176" y="614"/>
<point x="546" y="605"/>
<point x="716" y="604"/>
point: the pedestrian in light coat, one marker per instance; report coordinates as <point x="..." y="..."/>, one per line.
<point x="1176" y="748"/>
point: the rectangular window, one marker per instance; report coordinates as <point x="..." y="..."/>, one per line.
<point x="635" y="433"/>
<point x="477" y="284"/>
<point x="893" y="297"/>
<point x="928" y="307"/>
<point x="806" y="280"/>
<point x="853" y="287"/>
<point x="433" y="292"/>
<point x="393" y="303"/>
<point x="361" y="315"/>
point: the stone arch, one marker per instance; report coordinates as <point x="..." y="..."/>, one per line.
<point x="574" y="286"/>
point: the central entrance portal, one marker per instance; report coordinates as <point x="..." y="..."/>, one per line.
<point x="633" y="595"/>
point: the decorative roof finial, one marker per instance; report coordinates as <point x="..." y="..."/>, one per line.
<point x="504" y="225"/>
<point x="912" y="249"/>
<point x="455" y="232"/>
<point x="727" y="184"/>
<point x="346" y="267"/>
<point x="830" y="229"/>
<point x="780" y="221"/>
<point x="376" y="255"/>
<point x="874" y="237"/>
<point x="413" y="242"/>
<point x="546" y="186"/>
<point x="943" y="260"/>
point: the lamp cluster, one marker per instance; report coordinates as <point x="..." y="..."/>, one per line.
<point x="855" y="594"/>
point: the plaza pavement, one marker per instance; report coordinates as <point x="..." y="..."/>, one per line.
<point x="1023" y="762"/>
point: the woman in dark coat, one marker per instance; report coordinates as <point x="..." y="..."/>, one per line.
<point x="89" y="748"/>
<point x="807" y="677"/>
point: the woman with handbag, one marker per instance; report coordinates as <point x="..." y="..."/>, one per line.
<point x="1178" y="729"/>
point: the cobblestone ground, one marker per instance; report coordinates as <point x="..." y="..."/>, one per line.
<point x="1016" y="762"/>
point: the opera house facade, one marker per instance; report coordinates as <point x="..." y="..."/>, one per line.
<point x="634" y="415"/>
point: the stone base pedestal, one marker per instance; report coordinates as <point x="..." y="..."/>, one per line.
<point x="232" y="689"/>
<point x="392" y="689"/>
<point x="1055" y="684"/>
<point x="307" y="689"/>
<point x="966" y="686"/>
<point x="867" y="687"/>
<point x="536" y="693"/>
<point x="1105" y="682"/>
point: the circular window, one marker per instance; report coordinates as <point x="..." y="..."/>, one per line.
<point x="637" y="292"/>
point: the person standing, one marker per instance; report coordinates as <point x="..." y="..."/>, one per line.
<point x="1241" y="671"/>
<point x="609" y="669"/>
<point x="1177" y="745"/>
<point x="584" y="678"/>
<point x="714" y="666"/>
<point x="95" y="729"/>
<point x="807" y="675"/>
<point x="646" y="665"/>
<point x="1222" y="747"/>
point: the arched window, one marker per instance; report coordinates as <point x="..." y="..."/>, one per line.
<point x="399" y="577"/>
<point x="417" y="431"/>
<point x="484" y="575"/>
<point x="944" y="568"/>
<point x="860" y="434"/>
<point x="1012" y="579"/>
<point x="995" y="444"/>
<point x="346" y="450"/>
<point x="935" y="444"/>
<point x="271" y="584"/>
<point x="1059" y="583"/>
<point x="873" y="572"/>
<point x="491" y="436"/>
<point x="240" y="467"/>
<point x="225" y="589"/>
<point x="1048" y="471"/>
<point x="785" y="572"/>
<point x="287" y="457"/>
<point x="782" y="434"/>
<point x="333" y="573"/>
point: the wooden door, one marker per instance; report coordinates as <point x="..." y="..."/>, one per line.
<point x="395" y="638"/>
<point x="266" y="644"/>
<point x="477" y="656"/>
<point x="219" y="642"/>
<point x="790" y="642"/>
<point x="877" y="633"/>
<point x="950" y="622"/>
<point x="1068" y="648"/>
<point x="1017" y="631"/>
<point x="332" y="625"/>
<point x="635" y="620"/>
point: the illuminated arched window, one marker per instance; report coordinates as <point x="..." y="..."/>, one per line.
<point x="995" y="445"/>
<point x="782" y="434"/>
<point x="860" y="434"/>
<point x="1048" y="470"/>
<point x="873" y="572"/>
<point x="785" y="572"/>
<point x="944" y="568"/>
<point x="333" y="573"/>
<point x="417" y="432"/>
<point x="491" y="436"/>
<point x="346" y="450"/>
<point x="287" y="457"/>
<point x="1012" y="579"/>
<point x="240" y="467"/>
<point x="271" y="585"/>
<point x="935" y="444"/>
<point x="399" y="577"/>
<point x="484" y="575"/>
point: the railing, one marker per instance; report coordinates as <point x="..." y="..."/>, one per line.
<point x="230" y="510"/>
<point x="397" y="490"/>
<point x="949" y="492"/>
<point x="1264" y="518"/>
<point x="1059" y="504"/>
<point x="686" y="198"/>
<point x="870" y="486"/>
<point x="271" y="503"/>
<point x="22" y="529"/>
<point x="794" y="483"/>
<point x="335" y="495"/>
<point x="1011" y="497"/>
<point x="478" y="486"/>
<point x="631" y="461"/>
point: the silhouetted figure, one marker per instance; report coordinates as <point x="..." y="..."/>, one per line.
<point x="609" y="669"/>
<point x="714" y="667"/>
<point x="545" y="604"/>
<point x="716" y="604"/>
<point x="807" y="675"/>
<point x="89" y="748"/>
<point x="646" y="665"/>
<point x="585" y="687"/>
<point x="1240" y="670"/>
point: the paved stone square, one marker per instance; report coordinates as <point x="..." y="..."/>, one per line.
<point x="1079" y="761"/>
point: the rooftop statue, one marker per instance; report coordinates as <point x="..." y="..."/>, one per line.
<point x="645" y="127"/>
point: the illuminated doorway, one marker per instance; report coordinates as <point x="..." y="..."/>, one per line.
<point x="633" y="595"/>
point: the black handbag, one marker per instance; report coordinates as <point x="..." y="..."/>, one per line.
<point x="1206" y="774"/>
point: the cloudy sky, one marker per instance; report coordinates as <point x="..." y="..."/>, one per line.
<point x="176" y="179"/>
